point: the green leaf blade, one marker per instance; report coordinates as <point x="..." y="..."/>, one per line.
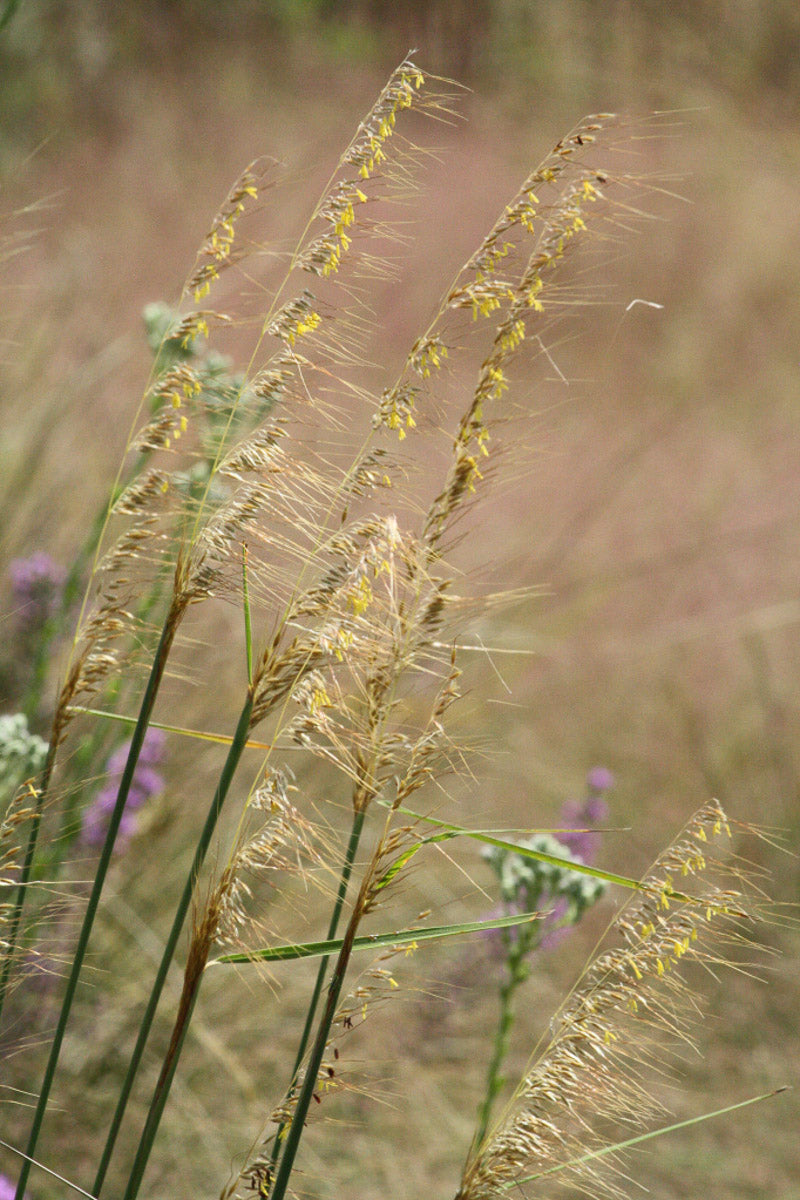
<point x="398" y="939"/>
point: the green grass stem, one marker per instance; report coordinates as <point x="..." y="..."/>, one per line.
<point x="347" y="870"/>
<point x="137" y="740"/>
<point x="234" y="754"/>
<point x="312" y="1069"/>
<point x="518" y="971"/>
<point x="183" y="1019"/>
<point x="160" y="1096"/>
<point x="248" y="625"/>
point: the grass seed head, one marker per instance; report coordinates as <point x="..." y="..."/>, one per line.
<point x="630" y="1011"/>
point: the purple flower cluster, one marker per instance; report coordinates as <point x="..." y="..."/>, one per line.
<point x="36" y="583"/>
<point x="146" y="782"/>
<point x="8" y="1190"/>
<point x="579" y="815"/>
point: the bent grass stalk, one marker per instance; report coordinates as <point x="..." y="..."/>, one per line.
<point x="83" y="673"/>
<point x="217" y="252"/>
<point x="192" y="984"/>
<point x="460" y="480"/>
<point x="619" y="1019"/>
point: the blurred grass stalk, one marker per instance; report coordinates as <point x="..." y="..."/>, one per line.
<point x="352" y="601"/>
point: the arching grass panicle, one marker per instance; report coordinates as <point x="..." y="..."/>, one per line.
<point x="593" y="1082"/>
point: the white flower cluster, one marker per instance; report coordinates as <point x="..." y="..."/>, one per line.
<point x="22" y="753"/>
<point x="531" y="880"/>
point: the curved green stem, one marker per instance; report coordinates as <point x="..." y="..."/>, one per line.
<point x="518" y="947"/>
<point x="347" y="869"/>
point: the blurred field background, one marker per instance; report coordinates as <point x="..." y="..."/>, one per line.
<point x="657" y="519"/>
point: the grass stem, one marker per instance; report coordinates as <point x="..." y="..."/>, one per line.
<point x="234" y="754"/>
<point x="312" y="1069"/>
<point x="518" y="972"/>
<point x="347" y="869"/>
<point x="137" y="740"/>
<point x="193" y="977"/>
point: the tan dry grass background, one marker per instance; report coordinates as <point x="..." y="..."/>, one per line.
<point x="658" y="511"/>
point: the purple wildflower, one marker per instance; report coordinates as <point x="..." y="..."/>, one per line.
<point x="146" y="782"/>
<point x="578" y="815"/>
<point x="153" y="748"/>
<point x="494" y="938"/>
<point x="36" y="583"/>
<point x="8" y="1190"/>
<point x="599" y="779"/>
<point x="553" y="928"/>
